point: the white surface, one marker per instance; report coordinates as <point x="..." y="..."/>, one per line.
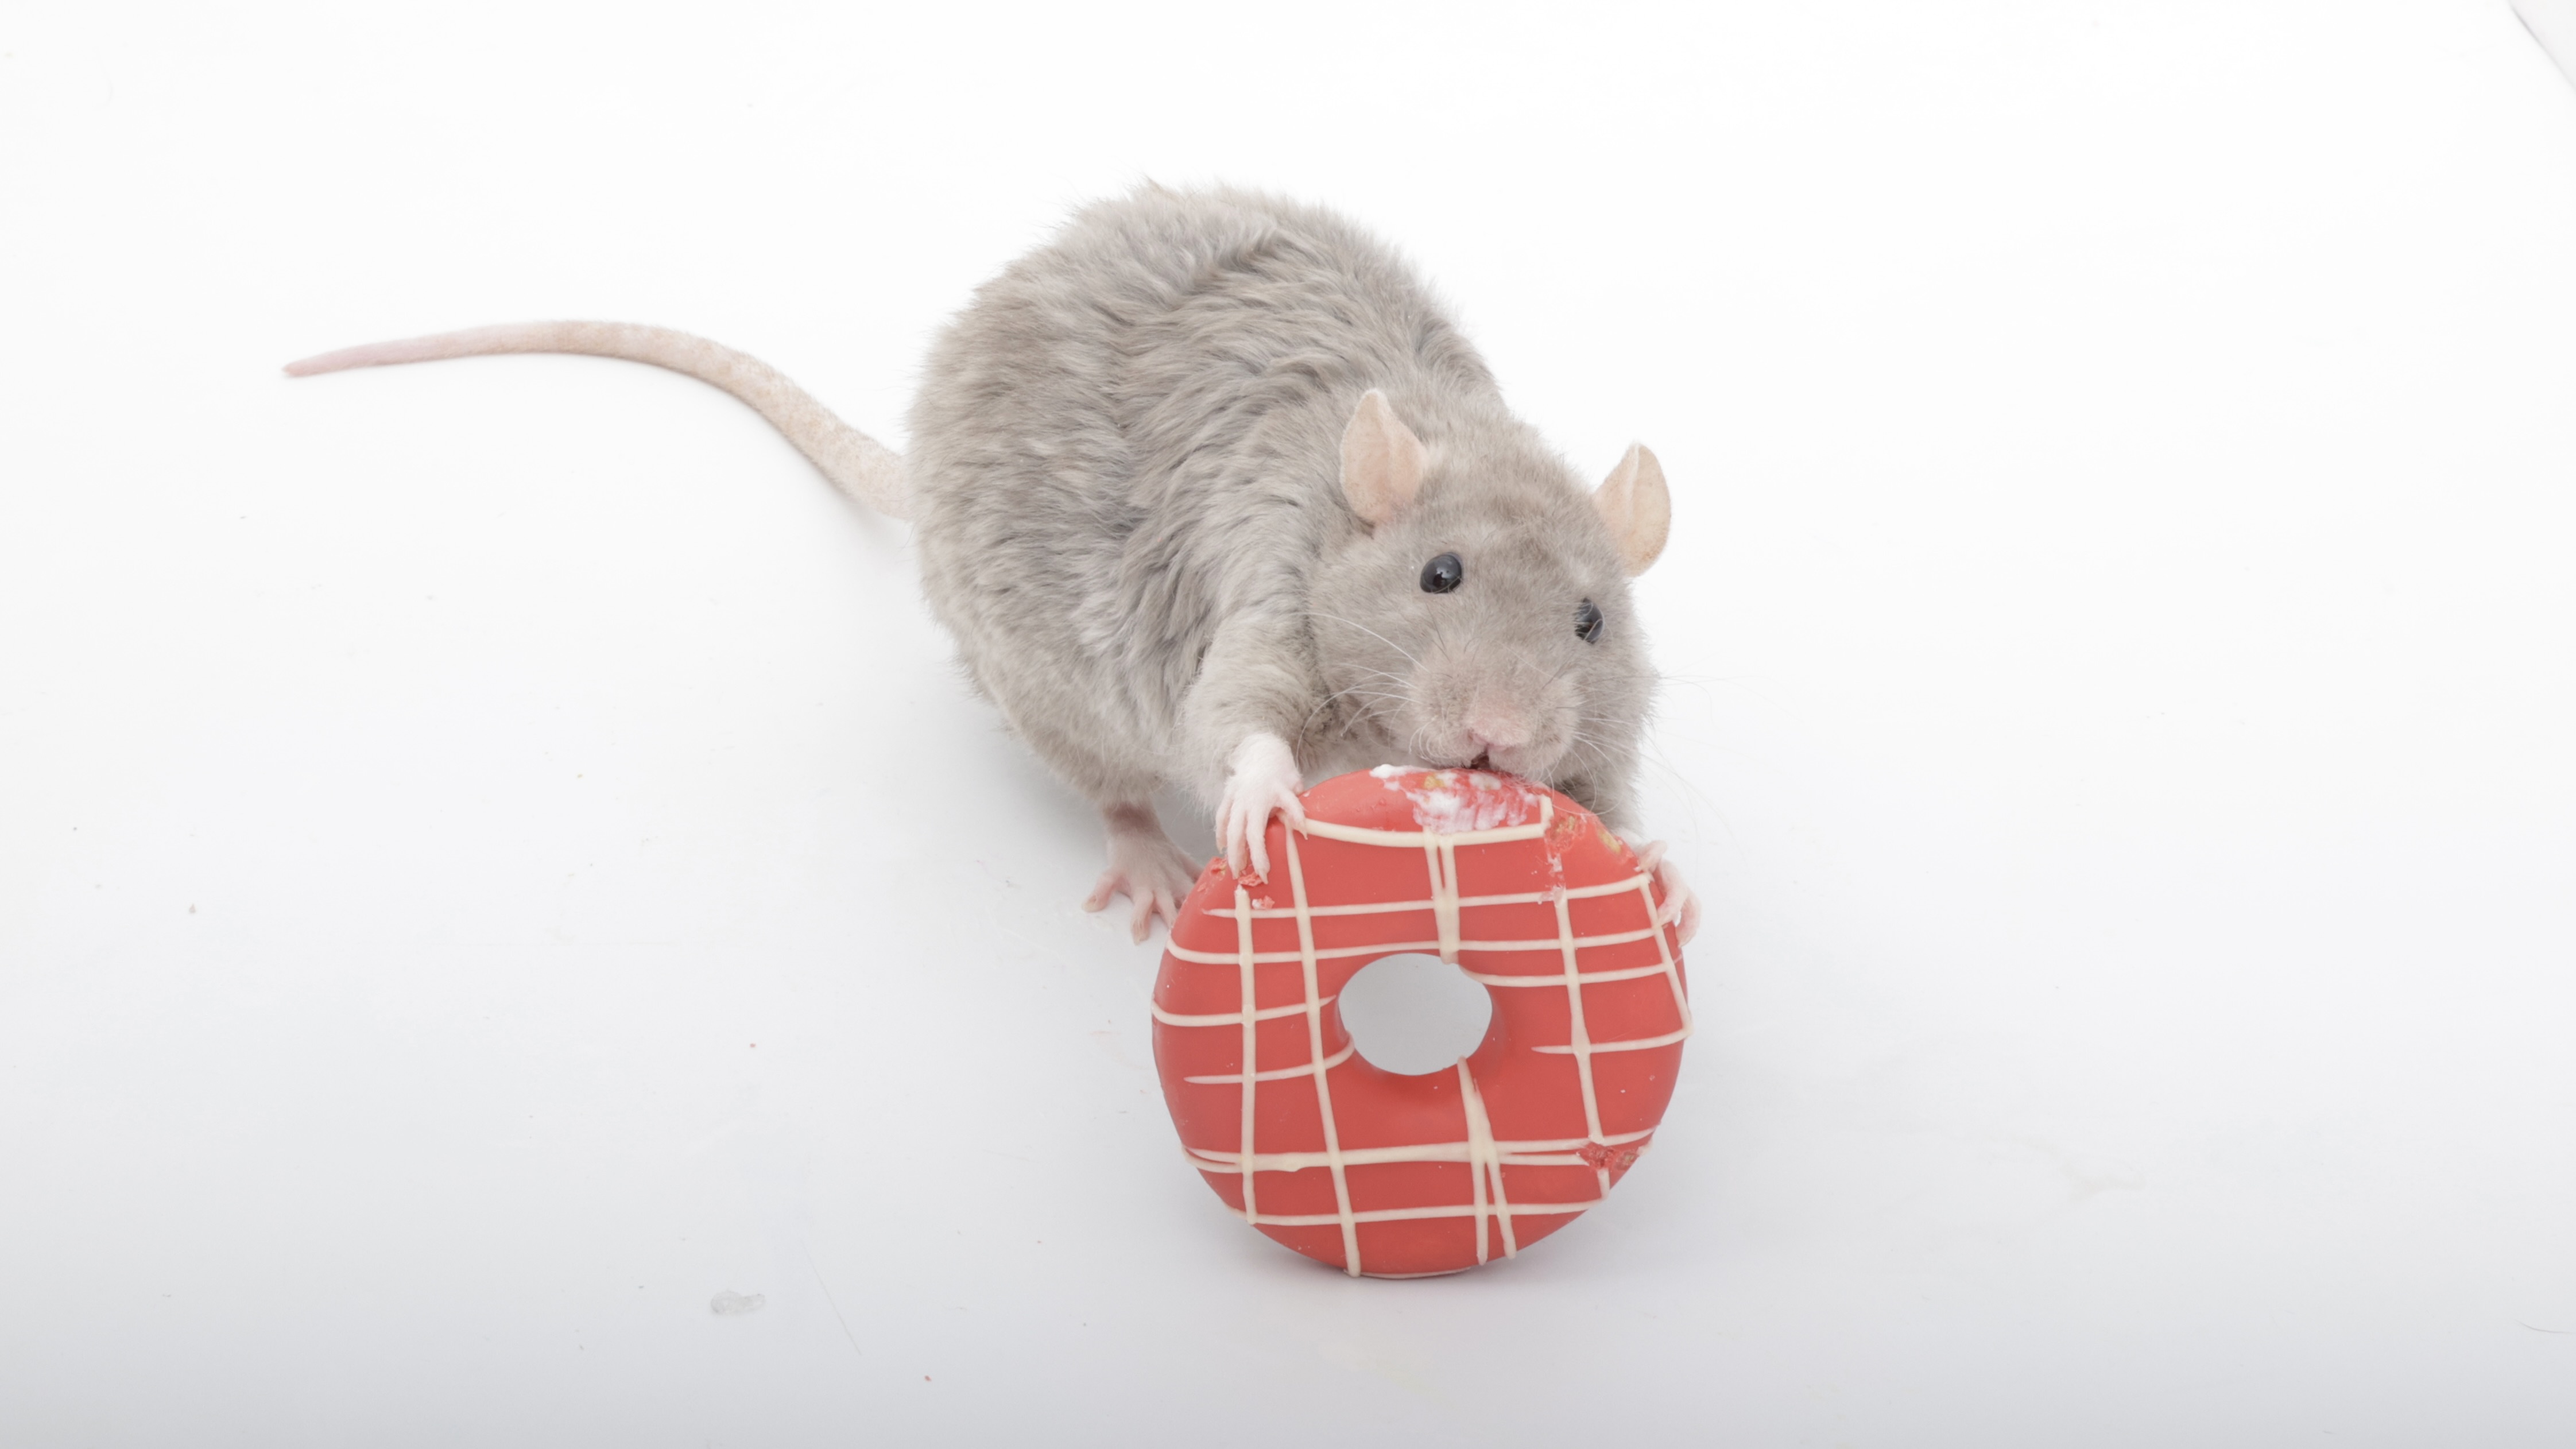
<point x="2553" y="24"/>
<point x="2118" y="616"/>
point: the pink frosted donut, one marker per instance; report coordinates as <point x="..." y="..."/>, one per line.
<point x="1405" y="1176"/>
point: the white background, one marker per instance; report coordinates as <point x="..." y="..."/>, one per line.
<point x="493" y="855"/>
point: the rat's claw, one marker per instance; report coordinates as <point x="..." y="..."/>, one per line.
<point x="1681" y="903"/>
<point x="1149" y="904"/>
<point x="1264" y="782"/>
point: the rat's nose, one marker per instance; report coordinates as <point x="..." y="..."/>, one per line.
<point x="1492" y="730"/>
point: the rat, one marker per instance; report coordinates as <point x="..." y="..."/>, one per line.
<point x="1212" y="492"/>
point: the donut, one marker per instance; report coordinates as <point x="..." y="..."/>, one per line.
<point x="1396" y="1176"/>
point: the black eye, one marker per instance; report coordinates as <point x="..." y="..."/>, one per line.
<point x="1587" y="622"/>
<point x="1442" y="574"/>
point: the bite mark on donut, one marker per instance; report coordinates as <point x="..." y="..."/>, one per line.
<point x="1617" y="1159"/>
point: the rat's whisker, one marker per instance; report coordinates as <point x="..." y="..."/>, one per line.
<point x="1372" y="633"/>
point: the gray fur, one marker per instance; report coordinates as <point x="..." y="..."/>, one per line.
<point x="1125" y="470"/>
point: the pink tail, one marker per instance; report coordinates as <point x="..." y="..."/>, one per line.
<point x="857" y="464"/>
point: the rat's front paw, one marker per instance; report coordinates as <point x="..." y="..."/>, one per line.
<point x="1265" y="781"/>
<point x="1680" y="904"/>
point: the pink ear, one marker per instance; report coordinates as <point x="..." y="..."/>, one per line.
<point x="1634" y="502"/>
<point x="1382" y="461"/>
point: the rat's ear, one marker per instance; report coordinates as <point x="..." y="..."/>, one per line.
<point x="1382" y="461"/>
<point x="1633" y="502"/>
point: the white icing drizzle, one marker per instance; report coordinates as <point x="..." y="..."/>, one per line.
<point x="1440" y="858"/>
<point x="1278" y="1074"/>
<point x="1537" y="1152"/>
<point x="1505" y="1211"/>
<point x="1636" y="1044"/>
<point x="1357" y="835"/>
<point x="1229" y="1018"/>
<point x="1581" y="1046"/>
<point x="1556" y="943"/>
<point x="1590" y="978"/>
<point x="1251" y="1067"/>
<point x="1484" y="1159"/>
<point x="1374" y="908"/>
<point x="1315" y="1052"/>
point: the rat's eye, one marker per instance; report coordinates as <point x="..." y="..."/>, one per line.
<point x="1587" y="622"/>
<point x="1442" y="574"/>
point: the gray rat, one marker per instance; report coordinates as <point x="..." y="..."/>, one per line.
<point x="1211" y="492"/>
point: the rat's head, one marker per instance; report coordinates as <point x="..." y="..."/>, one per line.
<point x="1480" y="612"/>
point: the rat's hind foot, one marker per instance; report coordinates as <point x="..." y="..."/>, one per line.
<point x="1144" y="866"/>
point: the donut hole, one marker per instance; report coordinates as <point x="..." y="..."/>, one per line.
<point x="1413" y="1014"/>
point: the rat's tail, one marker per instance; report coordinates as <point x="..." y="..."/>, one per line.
<point x="857" y="464"/>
